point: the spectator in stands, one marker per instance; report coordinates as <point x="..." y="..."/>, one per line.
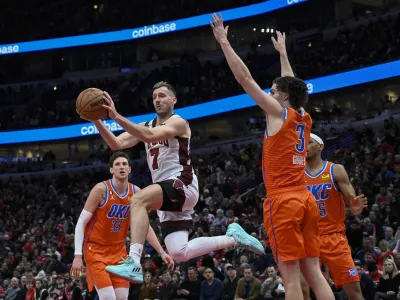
<point x="367" y="247"/>
<point x="190" y="288"/>
<point x="248" y="287"/>
<point x="230" y="283"/>
<point x="14" y="292"/>
<point x="41" y="292"/>
<point x="168" y="290"/>
<point x="270" y="283"/>
<point x="388" y="286"/>
<point x="385" y="251"/>
<point x="354" y="234"/>
<point x="211" y="287"/>
<point x="29" y="291"/>
<point x="148" y="290"/>
<point x="373" y="272"/>
<point x="366" y="283"/>
<point x="390" y="238"/>
<point x="149" y="265"/>
<point x="219" y="221"/>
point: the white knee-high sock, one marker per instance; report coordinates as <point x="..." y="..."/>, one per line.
<point x="135" y="251"/>
<point x="182" y="250"/>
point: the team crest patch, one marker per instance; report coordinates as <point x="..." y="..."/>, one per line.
<point x="352" y="272"/>
<point x="326" y="176"/>
<point x="129" y="198"/>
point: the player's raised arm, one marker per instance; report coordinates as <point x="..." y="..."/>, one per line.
<point x="280" y="46"/>
<point x="356" y="203"/>
<point x="242" y="74"/>
<point x="96" y="196"/>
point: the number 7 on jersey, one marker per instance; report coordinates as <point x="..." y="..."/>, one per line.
<point x="154" y="153"/>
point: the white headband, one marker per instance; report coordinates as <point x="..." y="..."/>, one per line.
<point x="317" y="138"/>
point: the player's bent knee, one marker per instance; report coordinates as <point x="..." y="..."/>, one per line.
<point x="179" y="255"/>
<point x="139" y="200"/>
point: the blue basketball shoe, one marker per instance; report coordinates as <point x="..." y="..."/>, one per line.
<point x="128" y="270"/>
<point x="244" y="240"/>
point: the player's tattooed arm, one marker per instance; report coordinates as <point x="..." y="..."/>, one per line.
<point x="242" y="74"/>
<point x="280" y="46"/>
<point x="174" y="127"/>
<point x="356" y="203"/>
<point x="96" y="197"/>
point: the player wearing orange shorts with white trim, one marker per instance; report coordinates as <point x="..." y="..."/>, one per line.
<point x="103" y="227"/>
<point x="290" y="213"/>
<point x="331" y="188"/>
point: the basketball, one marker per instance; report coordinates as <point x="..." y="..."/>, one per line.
<point x="89" y="104"/>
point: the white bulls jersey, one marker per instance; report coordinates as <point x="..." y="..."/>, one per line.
<point x="170" y="159"/>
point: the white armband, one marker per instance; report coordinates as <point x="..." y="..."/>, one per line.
<point x="84" y="218"/>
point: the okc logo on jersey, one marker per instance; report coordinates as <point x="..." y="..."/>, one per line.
<point x="118" y="211"/>
<point x="352" y="272"/>
<point x="320" y="191"/>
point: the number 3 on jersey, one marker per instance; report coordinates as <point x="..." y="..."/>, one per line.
<point x="300" y="146"/>
<point x="154" y="152"/>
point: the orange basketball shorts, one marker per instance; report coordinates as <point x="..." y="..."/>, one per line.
<point x="291" y="221"/>
<point x="336" y="253"/>
<point x="97" y="257"/>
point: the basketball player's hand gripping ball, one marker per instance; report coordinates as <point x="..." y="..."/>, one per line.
<point x="220" y="32"/>
<point x="109" y="105"/>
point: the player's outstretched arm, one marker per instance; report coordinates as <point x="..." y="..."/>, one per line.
<point x="123" y="141"/>
<point x="174" y="127"/>
<point x="242" y="74"/>
<point x="356" y="203"/>
<point x="96" y="196"/>
<point x="280" y="46"/>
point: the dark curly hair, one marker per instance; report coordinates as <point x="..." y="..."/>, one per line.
<point x="295" y="88"/>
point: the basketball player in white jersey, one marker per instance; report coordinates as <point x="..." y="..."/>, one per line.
<point x="175" y="190"/>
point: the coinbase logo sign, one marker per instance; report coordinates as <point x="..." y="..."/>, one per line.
<point x="290" y="2"/>
<point x="9" y="49"/>
<point x="92" y="129"/>
<point x="310" y="88"/>
<point x="154" y="29"/>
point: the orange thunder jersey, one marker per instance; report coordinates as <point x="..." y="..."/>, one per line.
<point x="284" y="154"/>
<point x="109" y="224"/>
<point x="331" y="206"/>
